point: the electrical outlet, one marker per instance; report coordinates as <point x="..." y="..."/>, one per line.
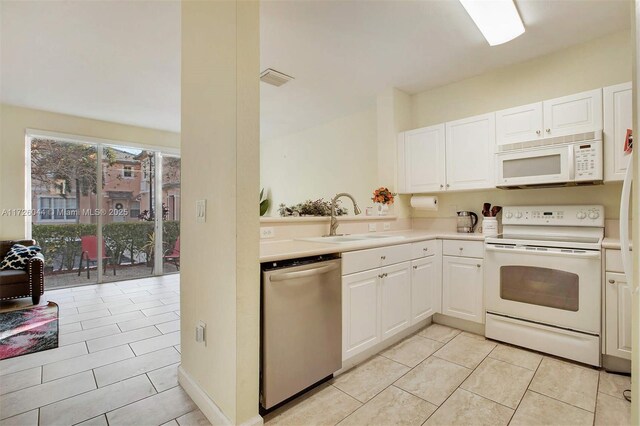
<point x="201" y="336"/>
<point x="386" y="226"/>
<point x="267" y="232"/>
<point x="372" y="227"/>
<point x="201" y="211"/>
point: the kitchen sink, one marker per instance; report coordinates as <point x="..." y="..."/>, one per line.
<point x="342" y="239"/>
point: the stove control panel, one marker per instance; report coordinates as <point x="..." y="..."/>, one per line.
<point x="584" y="215"/>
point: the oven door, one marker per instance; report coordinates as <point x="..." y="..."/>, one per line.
<point x="537" y="166"/>
<point x="551" y="286"/>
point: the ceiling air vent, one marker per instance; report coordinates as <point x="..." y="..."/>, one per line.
<point x="274" y="78"/>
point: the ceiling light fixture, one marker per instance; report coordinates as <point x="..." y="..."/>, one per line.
<point x="497" y="20"/>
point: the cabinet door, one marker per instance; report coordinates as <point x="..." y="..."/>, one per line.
<point x="519" y="124"/>
<point x="462" y="288"/>
<point x="618" y="117"/>
<point x="424" y="159"/>
<point x="469" y="151"/>
<point x="395" y="299"/>
<point x="426" y="288"/>
<point x="572" y="114"/>
<point x="618" y="315"/>
<point x="360" y="318"/>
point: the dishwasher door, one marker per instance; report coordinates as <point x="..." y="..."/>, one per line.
<point x="301" y="328"/>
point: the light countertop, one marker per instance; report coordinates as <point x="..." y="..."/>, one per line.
<point x="271" y="251"/>
<point x="612" y="243"/>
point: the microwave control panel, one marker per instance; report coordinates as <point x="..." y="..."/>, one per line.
<point x="587" y="161"/>
<point x="584" y="215"/>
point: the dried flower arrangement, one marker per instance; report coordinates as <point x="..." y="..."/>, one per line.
<point x="318" y="207"/>
<point x="382" y="195"/>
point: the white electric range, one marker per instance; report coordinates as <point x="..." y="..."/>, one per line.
<point x="543" y="280"/>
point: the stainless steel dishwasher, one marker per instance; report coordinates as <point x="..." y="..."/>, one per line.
<point x="301" y="326"/>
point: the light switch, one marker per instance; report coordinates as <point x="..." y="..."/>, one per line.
<point x="386" y="226"/>
<point x="201" y="211"/>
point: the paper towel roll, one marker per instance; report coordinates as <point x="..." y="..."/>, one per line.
<point x="422" y="202"/>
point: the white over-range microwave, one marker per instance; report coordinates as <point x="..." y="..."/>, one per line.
<point x="560" y="161"/>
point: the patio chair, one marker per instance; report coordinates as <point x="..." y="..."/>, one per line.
<point x="89" y="245"/>
<point x="174" y="256"/>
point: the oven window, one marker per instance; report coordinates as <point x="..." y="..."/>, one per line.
<point x="532" y="166"/>
<point x="540" y="286"/>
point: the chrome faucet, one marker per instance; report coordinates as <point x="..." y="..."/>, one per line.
<point x="334" y="221"/>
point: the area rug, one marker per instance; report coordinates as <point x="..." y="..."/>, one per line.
<point x="30" y="330"/>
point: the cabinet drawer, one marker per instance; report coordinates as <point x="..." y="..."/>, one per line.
<point x="362" y="260"/>
<point x="424" y="248"/>
<point x="463" y="248"/>
<point x="395" y="254"/>
<point x="613" y="261"/>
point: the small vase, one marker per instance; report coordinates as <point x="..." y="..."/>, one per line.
<point x="383" y="209"/>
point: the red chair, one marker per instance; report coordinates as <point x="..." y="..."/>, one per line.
<point x="90" y="253"/>
<point x="174" y="256"/>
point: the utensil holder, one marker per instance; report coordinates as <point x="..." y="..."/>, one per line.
<point x="490" y="226"/>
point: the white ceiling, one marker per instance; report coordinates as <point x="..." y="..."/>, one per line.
<point x="111" y="60"/>
<point x="120" y="60"/>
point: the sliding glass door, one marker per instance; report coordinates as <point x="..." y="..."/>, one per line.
<point x="104" y="212"/>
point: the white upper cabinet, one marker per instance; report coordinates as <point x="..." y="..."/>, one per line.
<point x="572" y="114"/>
<point x="470" y="146"/>
<point x="618" y="117"/>
<point x="425" y="159"/>
<point x="523" y="123"/>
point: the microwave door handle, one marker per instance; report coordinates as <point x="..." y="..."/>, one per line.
<point x="572" y="163"/>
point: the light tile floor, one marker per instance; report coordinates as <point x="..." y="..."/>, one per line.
<point x="442" y="376"/>
<point x="116" y="365"/>
<point x="120" y="349"/>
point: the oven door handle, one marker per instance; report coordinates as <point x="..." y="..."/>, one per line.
<point x="586" y="254"/>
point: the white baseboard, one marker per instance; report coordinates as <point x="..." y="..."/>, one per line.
<point x="202" y="400"/>
<point x="209" y="408"/>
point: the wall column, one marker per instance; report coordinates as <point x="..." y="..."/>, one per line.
<point x="220" y="275"/>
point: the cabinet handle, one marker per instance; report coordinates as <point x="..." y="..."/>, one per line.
<point x="447" y="185"/>
<point x="478" y="265"/>
<point x="415" y="266"/>
<point x="380" y="276"/>
<point x="548" y="130"/>
<point x="441" y="186"/>
<point x="461" y="248"/>
<point x="425" y="249"/>
<point x="612" y="281"/>
<point x="383" y="257"/>
<point x="538" y="132"/>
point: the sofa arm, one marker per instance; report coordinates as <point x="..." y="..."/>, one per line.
<point x="35" y="270"/>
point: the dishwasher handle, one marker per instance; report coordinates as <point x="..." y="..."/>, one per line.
<point x="305" y="273"/>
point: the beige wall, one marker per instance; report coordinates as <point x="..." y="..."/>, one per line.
<point x="338" y="156"/>
<point x="13" y="124"/>
<point x="393" y="117"/>
<point x="598" y="63"/>
<point x="220" y="275"/>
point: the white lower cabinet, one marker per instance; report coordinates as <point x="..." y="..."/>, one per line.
<point x="360" y="322"/>
<point x="426" y="288"/>
<point x="462" y="288"/>
<point x="395" y="299"/>
<point x="618" y="299"/>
